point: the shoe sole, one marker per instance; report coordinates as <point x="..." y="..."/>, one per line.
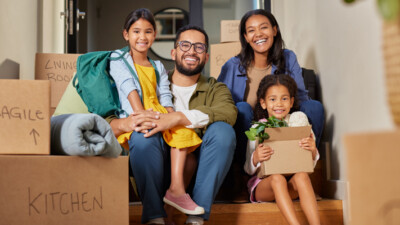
<point x="189" y="212"/>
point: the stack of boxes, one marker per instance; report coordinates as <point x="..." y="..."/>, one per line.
<point x="37" y="188"/>
<point x="229" y="46"/>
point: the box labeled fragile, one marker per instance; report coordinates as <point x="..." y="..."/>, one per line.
<point x="64" y="190"/>
<point x="288" y="157"/>
<point x="24" y="117"/>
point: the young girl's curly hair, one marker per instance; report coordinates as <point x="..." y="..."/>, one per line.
<point x="269" y="81"/>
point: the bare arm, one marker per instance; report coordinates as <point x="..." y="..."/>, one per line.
<point x="135" y="101"/>
<point x="170" y="109"/>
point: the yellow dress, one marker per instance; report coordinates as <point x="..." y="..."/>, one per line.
<point x="178" y="137"/>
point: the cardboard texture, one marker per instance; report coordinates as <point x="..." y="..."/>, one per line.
<point x="219" y="54"/>
<point x="24" y="117"/>
<point x="288" y="157"/>
<point x="58" y="69"/>
<point x="373" y="177"/>
<point x="64" y="190"/>
<point x="230" y="31"/>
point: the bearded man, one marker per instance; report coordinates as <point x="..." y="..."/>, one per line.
<point x="200" y="103"/>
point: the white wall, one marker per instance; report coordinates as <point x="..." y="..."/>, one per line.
<point x="18" y="39"/>
<point x="343" y="43"/>
<point x="28" y="27"/>
<point x="52" y="27"/>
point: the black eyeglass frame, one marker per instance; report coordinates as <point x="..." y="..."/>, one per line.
<point x="192" y="44"/>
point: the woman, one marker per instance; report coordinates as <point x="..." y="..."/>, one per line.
<point x="263" y="53"/>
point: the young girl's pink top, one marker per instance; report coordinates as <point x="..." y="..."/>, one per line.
<point x="296" y="119"/>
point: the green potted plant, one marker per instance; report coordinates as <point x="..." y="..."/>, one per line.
<point x="257" y="131"/>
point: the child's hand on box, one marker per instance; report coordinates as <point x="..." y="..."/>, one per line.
<point x="308" y="143"/>
<point x="262" y="153"/>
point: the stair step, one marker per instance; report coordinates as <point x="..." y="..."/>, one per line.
<point x="331" y="212"/>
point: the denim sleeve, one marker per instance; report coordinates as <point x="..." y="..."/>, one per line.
<point x="296" y="73"/>
<point x="122" y="77"/>
<point x="164" y="92"/>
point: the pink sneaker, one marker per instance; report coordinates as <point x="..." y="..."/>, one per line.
<point x="183" y="203"/>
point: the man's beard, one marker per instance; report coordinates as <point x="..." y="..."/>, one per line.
<point x="189" y="72"/>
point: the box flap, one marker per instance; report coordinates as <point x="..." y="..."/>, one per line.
<point x="290" y="133"/>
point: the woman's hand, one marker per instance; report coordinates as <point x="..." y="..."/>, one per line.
<point x="308" y="143"/>
<point x="262" y="153"/>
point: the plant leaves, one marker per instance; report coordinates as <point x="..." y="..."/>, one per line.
<point x="250" y="136"/>
<point x="259" y="130"/>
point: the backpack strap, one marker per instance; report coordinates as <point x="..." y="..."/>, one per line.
<point x="122" y="56"/>
<point x="135" y="76"/>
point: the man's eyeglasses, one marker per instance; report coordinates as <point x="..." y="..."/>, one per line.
<point x="198" y="47"/>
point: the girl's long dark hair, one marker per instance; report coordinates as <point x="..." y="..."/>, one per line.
<point x="269" y="81"/>
<point x="275" y="53"/>
<point x="138" y="14"/>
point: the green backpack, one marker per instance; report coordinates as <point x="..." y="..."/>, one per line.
<point x="96" y="86"/>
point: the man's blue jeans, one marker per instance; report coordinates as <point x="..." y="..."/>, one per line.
<point x="148" y="157"/>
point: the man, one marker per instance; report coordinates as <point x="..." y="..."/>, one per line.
<point x="202" y="104"/>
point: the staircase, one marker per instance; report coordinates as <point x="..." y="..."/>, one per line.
<point x="224" y="212"/>
<point x="330" y="211"/>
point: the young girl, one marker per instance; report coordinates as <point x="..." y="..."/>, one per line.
<point x="276" y="96"/>
<point x="142" y="85"/>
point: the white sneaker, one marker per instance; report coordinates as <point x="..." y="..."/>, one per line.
<point x="194" y="220"/>
<point x="157" y="221"/>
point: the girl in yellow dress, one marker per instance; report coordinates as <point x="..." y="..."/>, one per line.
<point x="143" y="84"/>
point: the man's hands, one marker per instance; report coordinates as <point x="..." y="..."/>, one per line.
<point x="139" y="121"/>
<point x="168" y="121"/>
<point x="148" y="122"/>
<point x="262" y="153"/>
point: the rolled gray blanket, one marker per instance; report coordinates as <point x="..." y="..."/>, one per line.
<point x="83" y="134"/>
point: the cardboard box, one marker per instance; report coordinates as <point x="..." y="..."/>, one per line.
<point x="373" y="177"/>
<point x="219" y="54"/>
<point x="230" y="31"/>
<point x="58" y="69"/>
<point x="288" y="157"/>
<point x="24" y="117"/>
<point x="64" y="190"/>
